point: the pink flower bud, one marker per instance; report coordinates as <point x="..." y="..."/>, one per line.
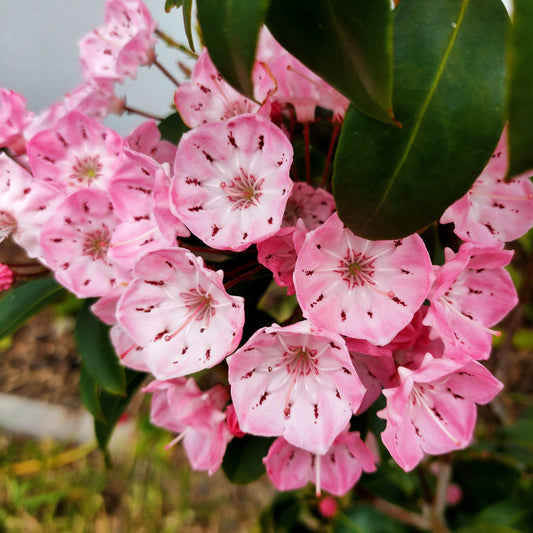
<point x="7" y="276"/>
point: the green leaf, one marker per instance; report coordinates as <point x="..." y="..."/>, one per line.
<point x="348" y="44"/>
<point x="172" y="128"/>
<point x="243" y="461"/>
<point x="366" y="519"/>
<point x="97" y="353"/>
<point x="488" y="528"/>
<point x="169" y="4"/>
<point x="520" y="96"/>
<point x="449" y="77"/>
<point x="187" y="22"/>
<point x="230" y="30"/>
<point x="484" y="482"/>
<point x="114" y="406"/>
<point x="21" y="303"/>
<point x="89" y="395"/>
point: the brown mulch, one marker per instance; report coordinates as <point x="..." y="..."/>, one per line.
<point x="40" y="360"/>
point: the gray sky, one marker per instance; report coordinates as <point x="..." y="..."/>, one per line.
<point x="39" y="56"/>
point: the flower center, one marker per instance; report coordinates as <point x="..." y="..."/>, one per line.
<point x="300" y="361"/>
<point x="238" y="107"/>
<point x="200" y="303"/>
<point x="97" y="243"/>
<point x="356" y="269"/>
<point x="243" y="191"/>
<point x="7" y="225"/>
<point x="87" y="169"/>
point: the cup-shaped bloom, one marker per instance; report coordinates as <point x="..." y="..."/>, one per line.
<point x="471" y="293"/>
<point x="76" y="240"/>
<point x="433" y="409"/>
<point x="360" y="288"/>
<point x="180" y="313"/>
<point x="494" y="211"/>
<point x="180" y="406"/>
<point x="336" y="471"/>
<point x="78" y="152"/>
<point x="115" y="50"/>
<point x="25" y="205"/>
<point x="231" y="181"/>
<point x="297" y="382"/>
<point x="14" y="117"/>
<point x="208" y="97"/>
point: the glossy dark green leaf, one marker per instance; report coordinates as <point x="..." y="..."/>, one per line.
<point x="169" y="4"/>
<point x="97" y="353"/>
<point x="187" y="22"/>
<point x="230" y="30"/>
<point x="23" y="302"/>
<point x="89" y="395"/>
<point x="114" y="406"/>
<point x="243" y="461"/>
<point x="172" y="128"/>
<point x="349" y="44"/>
<point x="449" y="81"/>
<point x="520" y="95"/>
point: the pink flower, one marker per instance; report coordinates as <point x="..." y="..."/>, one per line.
<point x="25" y="205"/>
<point x="471" y="293"/>
<point x="115" y="50"/>
<point x="209" y="98"/>
<point x="76" y="240"/>
<point x="313" y="206"/>
<point x="146" y="139"/>
<point x="493" y="211"/>
<point x="359" y="288"/>
<point x="14" y="117"/>
<point x="180" y="406"/>
<point x="179" y="312"/>
<point x="231" y="181"/>
<point x="433" y="409"/>
<point x="296" y="381"/>
<point x="337" y="470"/>
<point x="77" y="152"/>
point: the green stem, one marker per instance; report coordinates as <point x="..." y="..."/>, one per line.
<point x="169" y="41"/>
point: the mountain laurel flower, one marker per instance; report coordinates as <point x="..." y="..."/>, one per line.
<point x="433" y="409"/>
<point x="336" y="471"/>
<point x="493" y="211"/>
<point x="180" y="406"/>
<point x="360" y="288"/>
<point x="297" y="382"/>
<point x="116" y="49"/>
<point x="78" y="152"/>
<point x="14" y="117"/>
<point x="231" y="181"/>
<point x="25" y="206"/>
<point x="76" y="240"/>
<point x="207" y="97"/>
<point x="179" y="312"/>
<point x="471" y="293"/>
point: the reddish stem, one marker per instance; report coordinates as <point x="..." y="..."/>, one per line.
<point x="243" y="277"/>
<point x="334" y="136"/>
<point x="307" y="143"/>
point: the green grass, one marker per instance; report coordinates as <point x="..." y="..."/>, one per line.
<point x="148" y="489"/>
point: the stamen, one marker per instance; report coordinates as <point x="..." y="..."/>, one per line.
<point x="143" y="235"/>
<point x="420" y="396"/>
<point x="189" y="319"/>
<point x="177" y="439"/>
<point x="318" y="488"/>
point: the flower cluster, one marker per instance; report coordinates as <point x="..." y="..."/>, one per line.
<point x="148" y="228"/>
